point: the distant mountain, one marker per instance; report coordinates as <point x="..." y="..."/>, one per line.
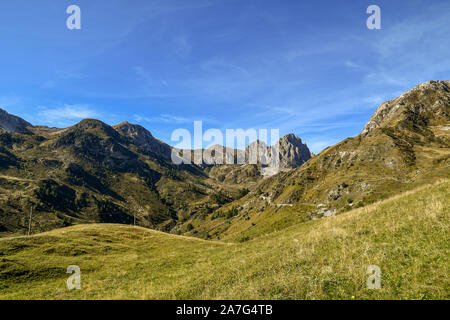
<point x="13" y="123"/>
<point x="217" y="154"/>
<point x="293" y="152"/>
<point x="142" y="137"/>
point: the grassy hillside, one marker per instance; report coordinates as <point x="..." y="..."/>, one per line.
<point x="406" y="236"/>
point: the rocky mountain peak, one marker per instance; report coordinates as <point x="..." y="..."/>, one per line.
<point x="13" y="123"/>
<point x="292" y="138"/>
<point x="431" y="96"/>
<point x="291" y="154"/>
<point x="142" y="137"/>
<point x="256" y="144"/>
<point x="86" y="124"/>
<point x="292" y="151"/>
<point x="96" y="127"/>
<point x="133" y="130"/>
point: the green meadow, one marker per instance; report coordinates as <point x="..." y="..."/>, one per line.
<point x="407" y="236"/>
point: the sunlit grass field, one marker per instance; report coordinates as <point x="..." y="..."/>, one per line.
<point x="406" y="236"/>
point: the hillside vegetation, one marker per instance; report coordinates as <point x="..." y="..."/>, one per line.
<point x="406" y="236"/>
<point x="405" y="144"/>
<point x="92" y="172"/>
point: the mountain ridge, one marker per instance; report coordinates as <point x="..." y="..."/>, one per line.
<point x="94" y="172"/>
<point x="290" y="145"/>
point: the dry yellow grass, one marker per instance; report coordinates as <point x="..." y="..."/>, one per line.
<point x="406" y="236"/>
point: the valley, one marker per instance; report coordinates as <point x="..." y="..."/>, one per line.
<point x="406" y="236"/>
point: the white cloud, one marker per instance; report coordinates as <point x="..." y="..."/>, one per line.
<point x="352" y="65"/>
<point x="65" y="115"/>
<point x="69" y="74"/>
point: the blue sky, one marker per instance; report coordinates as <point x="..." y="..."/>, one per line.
<point x="307" y="67"/>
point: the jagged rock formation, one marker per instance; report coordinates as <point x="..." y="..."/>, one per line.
<point x="292" y="151"/>
<point x="217" y="154"/>
<point x="258" y="152"/>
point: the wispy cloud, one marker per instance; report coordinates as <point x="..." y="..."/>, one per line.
<point x="62" y="76"/>
<point x="143" y="74"/>
<point x="149" y="86"/>
<point x="170" y="119"/>
<point x="352" y="65"/>
<point x="65" y="115"/>
<point x="218" y="65"/>
<point x="163" y="118"/>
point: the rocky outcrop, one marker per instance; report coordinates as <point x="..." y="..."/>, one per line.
<point x="292" y="151"/>
<point x="13" y="123"/>
<point x="218" y="154"/>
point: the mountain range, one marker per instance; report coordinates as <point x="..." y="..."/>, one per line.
<point x="93" y="172"/>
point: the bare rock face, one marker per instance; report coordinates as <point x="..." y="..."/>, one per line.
<point x="218" y="154"/>
<point x="292" y="151"/>
<point x="258" y="152"/>
<point x="291" y="154"/>
<point x="13" y="123"/>
<point x="432" y="96"/>
<point x="142" y="137"/>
